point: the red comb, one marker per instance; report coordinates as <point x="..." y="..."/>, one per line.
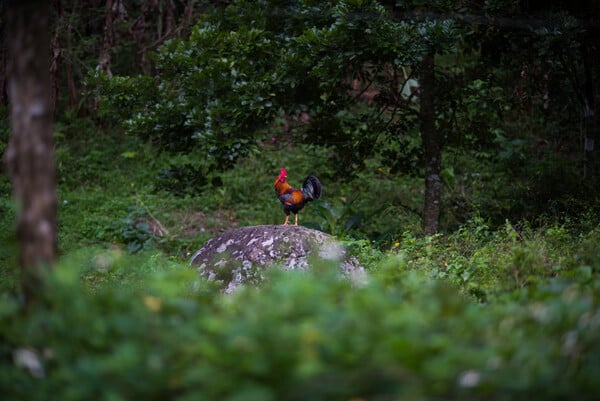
<point x="282" y="172"/>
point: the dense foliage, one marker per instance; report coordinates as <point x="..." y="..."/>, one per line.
<point x="157" y="332"/>
<point x="338" y="75"/>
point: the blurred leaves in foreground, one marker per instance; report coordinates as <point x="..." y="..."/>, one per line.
<point x="301" y="336"/>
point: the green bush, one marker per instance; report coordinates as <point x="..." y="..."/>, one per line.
<point x="486" y="263"/>
<point x="166" y="334"/>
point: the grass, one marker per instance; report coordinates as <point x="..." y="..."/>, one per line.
<point x="102" y="183"/>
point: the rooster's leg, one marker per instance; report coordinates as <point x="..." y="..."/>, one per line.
<point x="296" y="220"/>
<point x="286" y="220"/>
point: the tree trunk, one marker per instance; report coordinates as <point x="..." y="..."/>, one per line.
<point x="30" y="153"/>
<point x="431" y="147"/>
<point x="3" y="63"/>
<point x="70" y="61"/>
<point x="187" y="18"/>
<point x="55" y="66"/>
<point x="104" y="59"/>
<point x="71" y="85"/>
<point x="590" y="126"/>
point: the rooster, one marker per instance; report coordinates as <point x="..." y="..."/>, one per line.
<point x="293" y="200"/>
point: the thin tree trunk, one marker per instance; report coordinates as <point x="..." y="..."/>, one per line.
<point x="3" y="63"/>
<point x="187" y="17"/>
<point x="590" y="125"/>
<point x="30" y="153"/>
<point x="431" y="148"/>
<point x="170" y="18"/>
<point x="70" y="60"/>
<point x="56" y="59"/>
<point x="104" y="60"/>
<point x="71" y="85"/>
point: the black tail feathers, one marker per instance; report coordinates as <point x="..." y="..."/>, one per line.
<point x="311" y="189"/>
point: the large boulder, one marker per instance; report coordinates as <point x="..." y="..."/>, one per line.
<point x="241" y="255"/>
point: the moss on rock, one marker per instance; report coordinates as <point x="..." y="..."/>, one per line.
<point x="241" y="255"/>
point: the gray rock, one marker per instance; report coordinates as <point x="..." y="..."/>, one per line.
<point x="242" y="255"/>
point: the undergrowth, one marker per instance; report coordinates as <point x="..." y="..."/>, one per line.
<point x="152" y="329"/>
<point x="486" y="263"/>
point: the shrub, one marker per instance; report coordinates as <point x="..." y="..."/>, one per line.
<point x="300" y="336"/>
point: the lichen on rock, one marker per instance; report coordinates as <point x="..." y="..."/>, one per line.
<point x="242" y="255"/>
